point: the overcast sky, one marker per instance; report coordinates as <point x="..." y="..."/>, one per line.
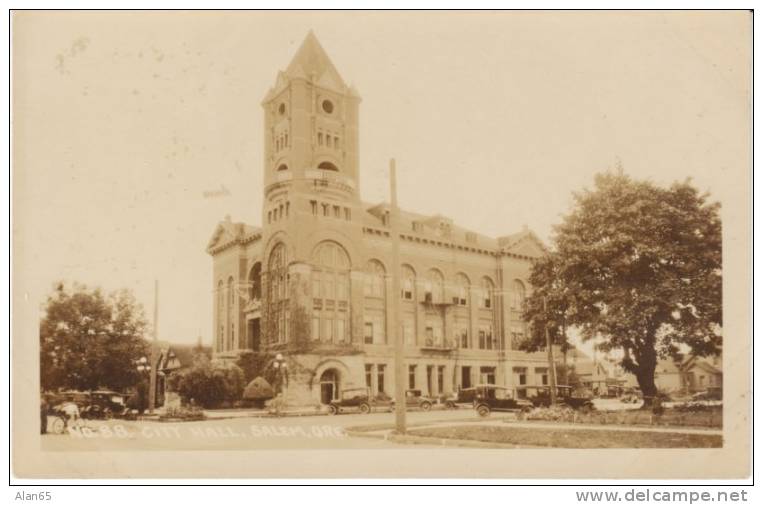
<point x="124" y="120"/>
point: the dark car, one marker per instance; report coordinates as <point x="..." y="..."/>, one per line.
<point x="104" y="404"/>
<point x="414" y="398"/>
<point x="355" y="399"/>
<point x="491" y="398"/>
<point x="540" y="396"/>
<point x="463" y="397"/>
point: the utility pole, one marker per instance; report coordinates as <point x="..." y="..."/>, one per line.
<point x="153" y="365"/>
<point x="396" y="332"/>
<point x="550" y="347"/>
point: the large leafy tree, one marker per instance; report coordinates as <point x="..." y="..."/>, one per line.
<point x="90" y="340"/>
<point x="638" y="267"/>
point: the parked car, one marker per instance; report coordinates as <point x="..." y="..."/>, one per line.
<point x="104" y="404"/>
<point x="414" y="398"/>
<point x="489" y="398"/>
<point x="462" y="398"/>
<point x="354" y="399"/>
<point x="710" y="394"/>
<point x="540" y="396"/>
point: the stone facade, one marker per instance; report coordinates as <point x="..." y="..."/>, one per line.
<point x="313" y="283"/>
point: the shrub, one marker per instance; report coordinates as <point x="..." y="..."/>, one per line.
<point x="183" y="413"/>
<point x="208" y="383"/>
<point x="258" y="391"/>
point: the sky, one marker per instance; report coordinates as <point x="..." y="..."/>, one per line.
<point x="135" y="133"/>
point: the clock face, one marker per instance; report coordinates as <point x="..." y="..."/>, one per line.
<point x="327" y="106"/>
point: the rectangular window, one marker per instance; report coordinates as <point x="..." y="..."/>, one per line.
<point x="341" y="333"/>
<point x="320" y="139"/>
<point x="487" y="375"/>
<point x="411" y="376"/>
<point x="325" y="209"/>
<point x="316" y="285"/>
<point x="328" y="330"/>
<point x="285" y="326"/>
<point x="316" y="328"/>
<point x="328" y="287"/>
<point x="337" y="211"/>
<point x="429" y="336"/>
<point x="542" y="375"/>
<point x="368" y="333"/>
<point x="336" y="142"/>
<point x="407" y="292"/>
<point x="463" y="337"/>
<point x="314" y="207"/>
<point x="466" y="377"/>
<point x="440" y="378"/>
<point x="482" y="339"/>
<point x="520" y="375"/>
<point x="369" y="375"/>
<point x="380" y="377"/>
<point x="430" y="379"/>
<point x="489" y="338"/>
<point x="347" y="213"/>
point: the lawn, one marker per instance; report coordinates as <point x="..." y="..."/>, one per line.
<point x="572" y="439"/>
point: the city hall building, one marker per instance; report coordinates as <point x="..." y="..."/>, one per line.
<point x="314" y="282"/>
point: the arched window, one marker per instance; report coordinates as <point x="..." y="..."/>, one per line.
<point x="375" y="283"/>
<point x="327" y="165"/>
<point x="230" y="312"/>
<point x="433" y="286"/>
<point x="278" y="294"/>
<point x="331" y="293"/>
<point x="462" y="290"/>
<point x="518" y="294"/>
<point x="255" y="282"/>
<point x="408" y="284"/>
<point x="282" y="167"/>
<point x="486" y="293"/>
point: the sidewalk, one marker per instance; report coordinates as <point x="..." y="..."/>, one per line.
<point x="238" y="413"/>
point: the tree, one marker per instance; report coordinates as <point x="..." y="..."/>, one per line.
<point x="639" y="268"/>
<point x="208" y="383"/>
<point x="88" y="340"/>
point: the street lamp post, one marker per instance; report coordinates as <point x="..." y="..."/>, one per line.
<point x="143" y="367"/>
<point x="281" y="369"/>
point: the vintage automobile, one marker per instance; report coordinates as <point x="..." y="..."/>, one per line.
<point x="414" y="398"/>
<point x="489" y="398"/>
<point x="104" y="404"/>
<point x="462" y="398"/>
<point x="540" y="396"/>
<point x="354" y="399"/>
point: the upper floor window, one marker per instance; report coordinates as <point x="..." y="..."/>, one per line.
<point x="255" y="283"/>
<point x="283" y="167"/>
<point x="331" y="291"/>
<point x="486" y="293"/>
<point x="277" y="273"/>
<point x="408" y="283"/>
<point x="375" y="275"/>
<point x="518" y="294"/>
<point x="462" y="290"/>
<point x="282" y="109"/>
<point x="433" y="286"/>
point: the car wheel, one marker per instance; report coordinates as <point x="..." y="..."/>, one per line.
<point x="333" y="410"/>
<point x="483" y="411"/>
<point x="426" y="406"/>
<point x="108" y="414"/>
<point x="450" y="405"/>
<point x="57" y="426"/>
<point x="365" y="408"/>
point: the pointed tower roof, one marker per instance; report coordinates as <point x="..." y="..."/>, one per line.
<point x="311" y="61"/>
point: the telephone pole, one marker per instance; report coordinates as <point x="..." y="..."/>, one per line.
<point x="551" y="363"/>
<point x="396" y="332"/>
<point x="153" y="365"/>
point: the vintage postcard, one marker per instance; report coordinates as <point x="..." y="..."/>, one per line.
<point x="442" y="244"/>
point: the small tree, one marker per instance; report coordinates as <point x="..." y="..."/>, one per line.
<point x="208" y="383"/>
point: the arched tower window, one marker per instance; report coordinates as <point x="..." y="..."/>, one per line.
<point x="282" y="167"/>
<point x="278" y="294"/>
<point x="375" y="279"/>
<point x="434" y="284"/>
<point x="518" y="294"/>
<point x="331" y="293"/>
<point x="327" y="165"/>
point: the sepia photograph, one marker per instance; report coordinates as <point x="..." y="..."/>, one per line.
<point x="381" y="244"/>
